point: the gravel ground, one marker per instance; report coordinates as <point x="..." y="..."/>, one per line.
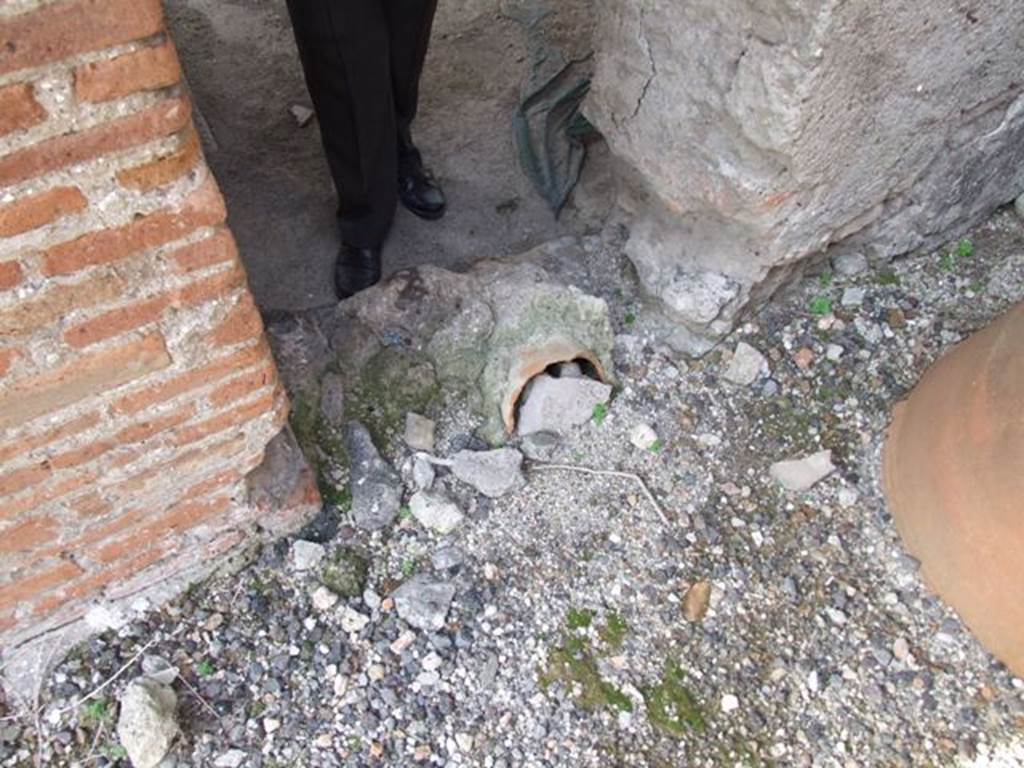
<point x="576" y="635"/>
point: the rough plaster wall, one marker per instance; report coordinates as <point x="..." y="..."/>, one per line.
<point x="761" y="133"/>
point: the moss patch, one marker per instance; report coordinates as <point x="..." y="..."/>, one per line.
<point x="614" y="631"/>
<point x="346" y="574"/>
<point x="671" y="707"/>
<point x="574" y="663"/>
<point x="394" y="382"/>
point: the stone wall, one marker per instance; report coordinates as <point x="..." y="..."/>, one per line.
<point x="762" y="133"/>
<point x="136" y="388"/>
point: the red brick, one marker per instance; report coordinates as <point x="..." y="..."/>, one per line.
<point x="23" y="445"/>
<point x="82" y="455"/>
<point x="180" y="517"/>
<point x="29" y="535"/>
<point x="31" y="501"/>
<point x="48" y="306"/>
<point x="226" y="479"/>
<point x="62" y="29"/>
<point x="90" y="504"/>
<point x="204" y="207"/>
<point x="116" y="322"/>
<point x="144" y="70"/>
<point x="84" y="377"/>
<point x="242" y="323"/>
<point x="216" y="286"/>
<point x="18" y="480"/>
<point x="91" y="585"/>
<point x="39" y="210"/>
<point x="144" y="430"/>
<point x="10" y="275"/>
<point x="164" y="170"/>
<point x="192" y="380"/>
<point x="160" y="120"/>
<point x="7" y="358"/>
<point x="218" y="248"/>
<point x="225" y="421"/>
<point x="33" y="586"/>
<point x="191" y="462"/>
<point x="236" y="389"/>
<point x="19" y="109"/>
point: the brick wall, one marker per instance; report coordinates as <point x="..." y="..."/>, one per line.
<point x="136" y="389"/>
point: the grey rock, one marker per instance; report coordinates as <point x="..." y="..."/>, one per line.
<point x="302" y="114"/>
<point x="436" y="511"/>
<point x="540" y="446"/>
<point x="446" y="558"/>
<point x="1018" y="206"/>
<point x="233" y="758"/>
<point x="375" y="486"/>
<point x="484" y="332"/>
<point x="159" y="669"/>
<point x="423" y="603"/>
<point x="419" y="432"/>
<point x="423" y="473"/>
<point x="559" y="405"/>
<point x="147" y="724"/>
<point x="853" y="296"/>
<point x="570" y="370"/>
<point x="850" y="264"/>
<point x="802" y="474"/>
<point x="492" y="473"/>
<point x="306" y="555"/>
<point x="332" y="399"/>
<point x="747" y="365"/>
<point x="643" y="436"/>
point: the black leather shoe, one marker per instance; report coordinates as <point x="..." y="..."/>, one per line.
<point x="417" y="188"/>
<point x="356" y="269"/>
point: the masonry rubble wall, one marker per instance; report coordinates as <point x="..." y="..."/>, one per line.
<point x="764" y="134"/>
<point x="136" y="387"/>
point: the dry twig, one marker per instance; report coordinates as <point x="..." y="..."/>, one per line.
<point x="610" y="473"/>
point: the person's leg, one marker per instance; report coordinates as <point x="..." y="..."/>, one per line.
<point x="409" y="24"/>
<point x="345" y="51"/>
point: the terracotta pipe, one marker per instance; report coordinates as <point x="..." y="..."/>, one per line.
<point x="954" y="479"/>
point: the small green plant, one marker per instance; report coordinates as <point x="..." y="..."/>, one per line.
<point x="114" y="752"/>
<point x="630" y="318"/>
<point x="656" y="446"/>
<point x="964" y="249"/>
<point x="821" y="306"/>
<point x="579" y="618"/>
<point x="408" y="567"/>
<point x="205" y="668"/>
<point x="96" y="711"/>
<point x="825" y="279"/>
<point x="600" y="413"/>
<point x="977" y="286"/>
<point x="405" y="513"/>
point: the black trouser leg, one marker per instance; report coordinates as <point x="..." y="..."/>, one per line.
<point x="345" y="47"/>
<point x="409" y="23"/>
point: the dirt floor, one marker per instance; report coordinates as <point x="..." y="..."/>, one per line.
<point x="245" y="76"/>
